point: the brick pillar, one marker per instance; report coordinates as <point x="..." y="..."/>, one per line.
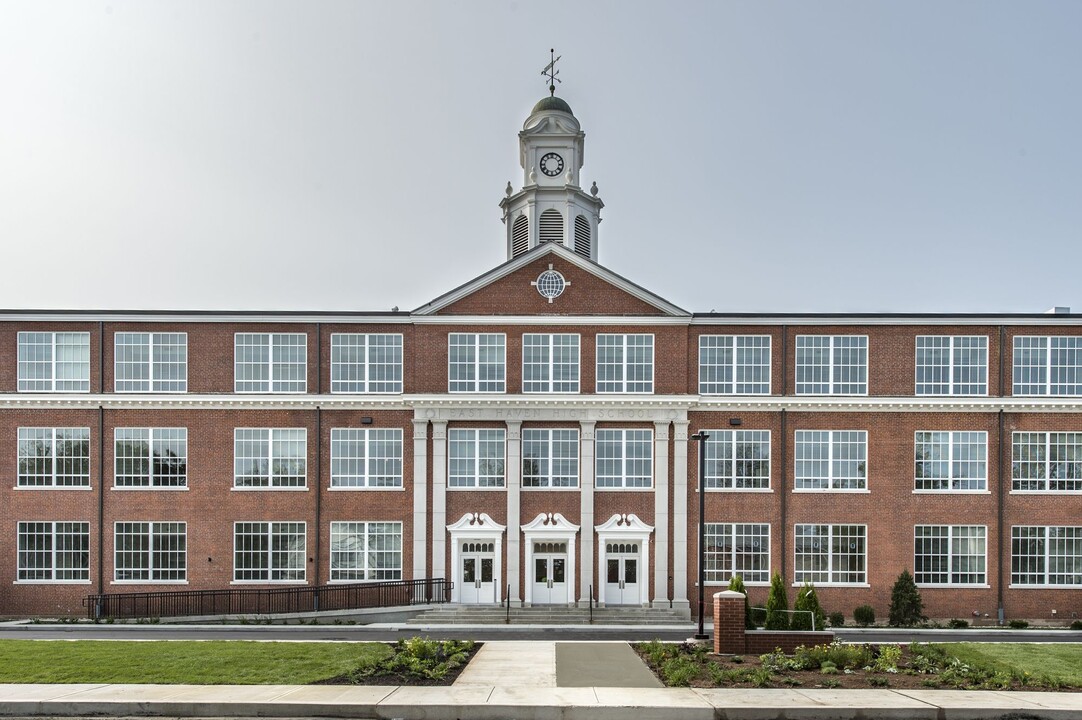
<point x="729" y="623"/>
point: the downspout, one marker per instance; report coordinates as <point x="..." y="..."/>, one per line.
<point x="101" y="459"/>
<point x="784" y="445"/>
<point x="1001" y="488"/>
<point x="319" y="456"/>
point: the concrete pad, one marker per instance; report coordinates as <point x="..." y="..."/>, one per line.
<point x="512" y="663"/>
<point x="602" y="665"/>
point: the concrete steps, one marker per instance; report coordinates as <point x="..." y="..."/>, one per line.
<point x="547" y="615"/>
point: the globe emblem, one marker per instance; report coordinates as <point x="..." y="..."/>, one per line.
<point x="550" y="284"/>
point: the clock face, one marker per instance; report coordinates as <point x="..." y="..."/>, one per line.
<point x="552" y="164"/>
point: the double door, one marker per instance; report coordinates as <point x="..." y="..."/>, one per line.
<point x="477" y="573"/>
<point x="622" y="574"/>
<point x="550" y="573"/>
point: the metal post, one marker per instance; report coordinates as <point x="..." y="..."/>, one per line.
<point x="701" y="438"/>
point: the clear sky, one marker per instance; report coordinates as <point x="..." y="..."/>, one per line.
<point x="918" y="156"/>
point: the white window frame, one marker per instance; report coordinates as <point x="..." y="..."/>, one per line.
<point x="955" y="346"/>
<point x="175" y="439"/>
<point x="269" y="378"/>
<point x="951" y="555"/>
<point x="1047" y="383"/>
<point x="571" y="362"/>
<point x="620" y="374"/>
<point x="57" y="343"/>
<point x="835" y="441"/>
<point x="1046" y="464"/>
<point x="477" y="373"/>
<point x="957" y="442"/>
<point x="49" y="434"/>
<point x="624" y="471"/>
<point x="833" y="369"/>
<point x="359" y="567"/>
<point x="153" y="535"/>
<point x="557" y="447"/>
<point x="274" y="479"/>
<point x="364" y="374"/>
<point x="80" y="575"/>
<point x="484" y="467"/>
<point x="365" y="466"/>
<point x="735" y="374"/>
<point x="728" y="563"/>
<point x="833" y="572"/>
<point x="155" y="346"/>
<point x="272" y="531"/>
<point x="725" y="474"/>
<point x="1047" y="558"/>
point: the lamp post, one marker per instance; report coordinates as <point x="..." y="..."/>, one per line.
<point x="701" y="437"/>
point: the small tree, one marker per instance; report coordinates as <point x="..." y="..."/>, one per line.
<point x="808" y="601"/>
<point x="736" y="584"/>
<point x="906" y="606"/>
<point x="777" y="603"/>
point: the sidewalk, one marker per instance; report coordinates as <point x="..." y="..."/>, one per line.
<point x="531" y="681"/>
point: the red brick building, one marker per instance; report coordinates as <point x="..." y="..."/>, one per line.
<point x="531" y="433"/>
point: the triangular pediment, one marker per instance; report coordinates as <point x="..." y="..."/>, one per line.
<point x="591" y="289"/>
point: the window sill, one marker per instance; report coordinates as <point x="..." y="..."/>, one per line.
<point x="51" y="582"/>
<point x="364" y="488"/>
<point x="148" y="582"/>
<point x="952" y="492"/>
<point x="269" y="489"/>
<point x="954" y="586"/>
<point x="148" y="488"/>
<point x="53" y="487"/>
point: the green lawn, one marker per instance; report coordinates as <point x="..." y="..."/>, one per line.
<point x="181" y="662"/>
<point x="1062" y="661"/>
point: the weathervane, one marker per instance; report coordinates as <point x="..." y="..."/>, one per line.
<point x="551" y="71"/>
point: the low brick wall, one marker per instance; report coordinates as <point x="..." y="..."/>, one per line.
<point x="731" y="638"/>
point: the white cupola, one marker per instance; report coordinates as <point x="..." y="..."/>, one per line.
<point x="551" y="206"/>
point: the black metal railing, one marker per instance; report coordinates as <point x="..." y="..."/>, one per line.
<point x="268" y="601"/>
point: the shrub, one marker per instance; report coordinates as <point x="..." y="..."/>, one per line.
<point x="421" y="657"/>
<point x="888" y="659"/>
<point x="736" y="584"/>
<point x="906" y="606"/>
<point x="808" y="601"/>
<point x="1018" y="624"/>
<point x="837" y="619"/>
<point x="864" y="615"/>
<point x="777" y="603"/>
<point x="679" y="671"/>
<point x="1076" y="625"/>
<point x="957" y="624"/>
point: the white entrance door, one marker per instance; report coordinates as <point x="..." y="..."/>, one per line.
<point x="550" y="573"/>
<point x="477" y="576"/>
<point x="622" y="574"/>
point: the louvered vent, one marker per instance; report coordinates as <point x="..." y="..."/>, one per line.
<point x="582" y="236"/>
<point x="520" y="236"/>
<point x="552" y="226"/>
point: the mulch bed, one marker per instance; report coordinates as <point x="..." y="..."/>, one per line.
<point x="401" y="679"/>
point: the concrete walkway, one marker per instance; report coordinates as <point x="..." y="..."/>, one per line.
<point x="540" y="664"/>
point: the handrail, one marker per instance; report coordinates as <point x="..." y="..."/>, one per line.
<point x="264" y="601"/>
<point x="507" y="619"/>
<point x="591" y="604"/>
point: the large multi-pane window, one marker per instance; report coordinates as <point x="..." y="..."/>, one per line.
<point x="54" y="362"/>
<point x="268" y="551"/>
<point x="366" y="551"/>
<point x="734" y="364"/>
<point x="952" y="365"/>
<point x="1046" y="555"/>
<point x="475" y="458"/>
<point x="831" y="460"/>
<point x="271" y="362"/>
<point x="1047" y="365"/>
<point x="363" y="363"/>
<point x="550" y="458"/>
<point x="736" y="549"/>
<point x="54" y="551"/>
<point x="269" y="457"/>
<point x="737" y="460"/>
<point x="1046" y="461"/>
<point x="366" y="457"/>
<point x="949" y="554"/>
<point x="476" y="362"/>
<point x="550" y="363"/>
<point x="151" y="552"/>
<point x="950" y="460"/>
<point x="831" y="554"/>
<point x="831" y="365"/>
<point x="151" y="362"/>
<point x="625" y="458"/>
<point x="54" y="457"/>
<point x="625" y="363"/>
<point x="151" y="457"/>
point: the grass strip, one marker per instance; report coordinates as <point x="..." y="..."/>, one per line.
<point x="1061" y="661"/>
<point x="182" y="662"/>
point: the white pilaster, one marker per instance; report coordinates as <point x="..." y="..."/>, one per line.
<point x="680" y="514"/>
<point x="586" y="508"/>
<point x="661" y="514"/>
<point x="439" y="500"/>
<point x="420" y="498"/>
<point x="513" y="475"/>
